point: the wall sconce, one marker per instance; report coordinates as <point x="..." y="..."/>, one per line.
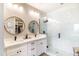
<point x="45" y="20"/>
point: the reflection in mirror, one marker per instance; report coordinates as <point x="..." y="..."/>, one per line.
<point x="33" y="27"/>
<point x="14" y="25"/>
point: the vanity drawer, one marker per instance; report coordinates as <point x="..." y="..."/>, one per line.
<point x="31" y="45"/>
<point x="32" y="48"/>
<point x="42" y="42"/>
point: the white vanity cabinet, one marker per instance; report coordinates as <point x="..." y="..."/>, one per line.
<point x="28" y="47"/>
<point x="37" y="47"/>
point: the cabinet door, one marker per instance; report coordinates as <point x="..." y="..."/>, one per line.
<point x="41" y="46"/>
<point x="44" y="45"/>
<point x="12" y="52"/>
<point x="23" y="51"/>
<point x="20" y="50"/>
<point x="32" y="48"/>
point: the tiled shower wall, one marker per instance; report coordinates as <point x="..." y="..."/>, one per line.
<point x="66" y="22"/>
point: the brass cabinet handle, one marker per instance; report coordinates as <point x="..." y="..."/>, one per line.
<point x="32" y="43"/>
<point x="32" y="48"/>
<point x="20" y="51"/>
<point x="17" y="52"/>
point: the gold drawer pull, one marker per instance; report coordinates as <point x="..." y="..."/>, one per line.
<point x="32" y="48"/>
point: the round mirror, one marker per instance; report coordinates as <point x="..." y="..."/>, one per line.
<point x="33" y="27"/>
<point x="14" y="25"/>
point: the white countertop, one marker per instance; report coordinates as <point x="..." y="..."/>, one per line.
<point x="13" y="43"/>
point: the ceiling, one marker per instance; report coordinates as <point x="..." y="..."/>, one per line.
<point x="47" y="7"/>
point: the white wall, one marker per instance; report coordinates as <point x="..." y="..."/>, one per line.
<point x="62" y="21"/>
<point x="1" y="31"/>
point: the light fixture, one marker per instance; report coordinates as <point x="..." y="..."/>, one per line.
<point x="21" y="9"/>
<point x="15" y="7"/>
<point x="33" y="13"/>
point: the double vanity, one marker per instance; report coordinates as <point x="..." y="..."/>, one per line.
<point x="27" y="47"/>
<point x="30" y="45"/>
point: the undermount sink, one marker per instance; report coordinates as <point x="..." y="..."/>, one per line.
<point x="36" y="38"/>
<point x="33" y="36"/>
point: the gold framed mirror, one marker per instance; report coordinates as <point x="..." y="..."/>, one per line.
<point x="33" y="27"/>
<point x="14" y="25"/>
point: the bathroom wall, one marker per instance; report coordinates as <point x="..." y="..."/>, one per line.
<point x="66" y="22"/>
<point x="23" y="14"/>
<point x="1" y="31"/>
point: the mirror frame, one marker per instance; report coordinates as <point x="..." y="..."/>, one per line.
<point x="6" y="28"/>
<point x="37" y="25"/>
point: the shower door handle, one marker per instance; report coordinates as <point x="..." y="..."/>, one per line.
<point x="59" y="35"/>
